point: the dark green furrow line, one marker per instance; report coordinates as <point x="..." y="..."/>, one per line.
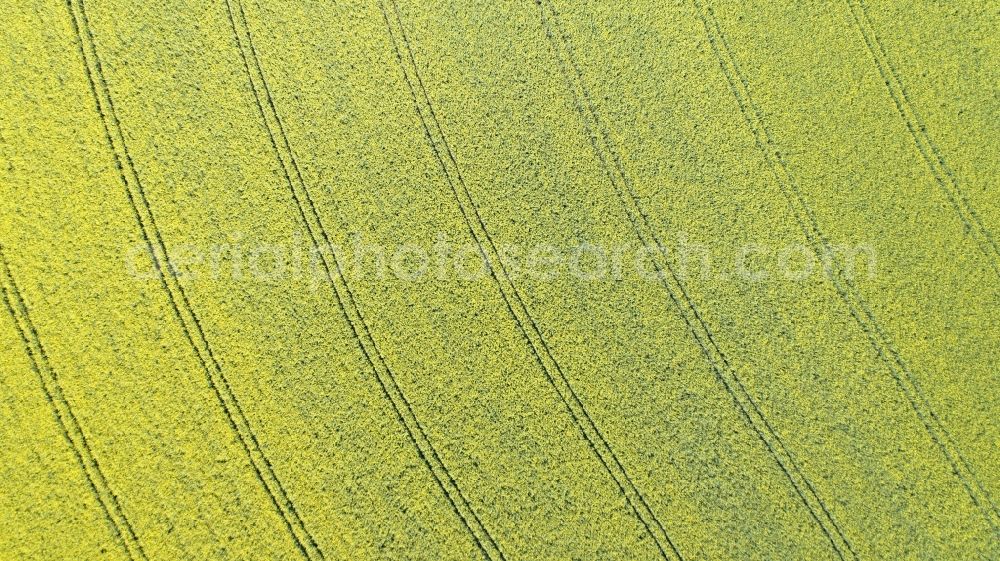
<point x="849" y="293"/>
<point x="343" y="294"/>
<point x="189" y="322"/>
<point x="516" y="307"/>
<point x="929" y="152"/>
<point x="68" y="423"/>
<point x="747" y="406"/>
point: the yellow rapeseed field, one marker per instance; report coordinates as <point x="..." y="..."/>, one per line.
<point x="535" y="280"/>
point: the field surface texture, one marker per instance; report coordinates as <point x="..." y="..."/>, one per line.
<point x="450" y="280"/>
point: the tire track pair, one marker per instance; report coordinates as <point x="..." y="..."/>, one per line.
<point x="610" y="160"/>
<point x="516" y="306"/>
<point x="343" y="294"/>
<point x="68" y="423"/>
<point x="943" y="175"/>
<point x="181" y="306"/>
<point x="859" y="309"/>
